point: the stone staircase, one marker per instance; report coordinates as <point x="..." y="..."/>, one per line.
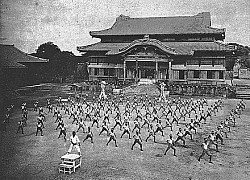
<point x="142" y="89"/>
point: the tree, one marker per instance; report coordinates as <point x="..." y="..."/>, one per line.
<point x="48" y="50"/>
<point x="61" y="63"/>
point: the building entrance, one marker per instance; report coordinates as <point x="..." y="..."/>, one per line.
<point x="147" y="73"/>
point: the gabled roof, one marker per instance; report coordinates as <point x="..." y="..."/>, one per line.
<point x="124" y="25"/>
<point x="5" y="64"/>
<point x="180" y="48"/>
<point x="11" y="55"/>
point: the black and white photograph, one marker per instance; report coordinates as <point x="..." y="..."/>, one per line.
<point x="124" y="90"/>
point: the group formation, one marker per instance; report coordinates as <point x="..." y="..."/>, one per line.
<point x="139" y="118"/>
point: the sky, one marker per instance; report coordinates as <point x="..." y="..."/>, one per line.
<point x="30" y="23"/>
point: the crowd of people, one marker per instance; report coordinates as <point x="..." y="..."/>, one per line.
<point x="138" y="118"/>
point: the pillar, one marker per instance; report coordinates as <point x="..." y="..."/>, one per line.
<point x="156" y="70"/>
<point x="136" y="70"/>
<point x="124" y="70"/>
<point x="169" y="70"/>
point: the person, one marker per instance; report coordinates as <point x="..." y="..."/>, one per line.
<point x="89" y="135"/>
<point x="35" y="106"/>
<point x="118" y="122"/>
<point x="60" y="122"/>
<point x="74" y="142"/>
<point x="39" y="128"/>
<point x="180" y="136"/>
<point x="159" y="128"/>
<point x="112" y="136"/>
<point x="104" y="127"/>
<point x="95" y="120"/>
<point x="205" y="150"/>
<point x="151" y="132"/>
<point x="58" y="116"/>
<point x="136" y="126"/>
<point x="81" y="125"/>
<point x="170" y="142"/>
<point x="50" y="108"/>
<point x="75" y="118"/>
<point x="20" y="126"/>
<point x="192" y="126"/>
<point x="63" y="131"/>
<point x="126" y="129"/>
<point x="218" y="135"/>
<point x="41" y="120"/>
<point x="146" y="122"/>
<point x="187" y="132"/>
<point x="212" y="140"/>
<point x="137" y="140"/>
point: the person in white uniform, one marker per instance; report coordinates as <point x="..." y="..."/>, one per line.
<point x="75" y="142"/>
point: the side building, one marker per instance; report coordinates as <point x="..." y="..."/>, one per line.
<point x="182" y="49"/>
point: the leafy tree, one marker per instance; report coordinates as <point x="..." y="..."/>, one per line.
<point x="61" y="63"/>
<point x="48" y="50"/>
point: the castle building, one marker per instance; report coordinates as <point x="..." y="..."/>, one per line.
<point x="174" y="49"/>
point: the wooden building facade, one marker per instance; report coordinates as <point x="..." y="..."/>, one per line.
<point x="181" y="49"/>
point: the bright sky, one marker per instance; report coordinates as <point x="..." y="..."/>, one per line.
<point x="29" y="23"/>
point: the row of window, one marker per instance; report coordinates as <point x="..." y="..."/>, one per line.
<point x="205" y="61"/>
<point x="183" y="74"/>
<point x="102" y="71"/>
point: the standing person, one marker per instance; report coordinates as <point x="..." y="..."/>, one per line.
<point x="39" y="128"/>
<point x="118" y="122"/>
<point x="219" y="135"/>
<point x="63" y="131"/>
<point x="138" y="140"/>
<point x="192" y="126"/>
<point x="205" y="147"/>
<point x="20" y="126"/>
<point x="95" y="120"/>
<point x="35" y="106"/>
<point x="187" y="132"/>
<point x="104" y="128"/>
<point x="112" y="136"/>
<point x="159" y="128"/>
<point x="89" y="135"/>
<point x="50" y="108"/>
<point x="126" y="129"/>
<point x="212" y="140"/>
<point x="180" y="135"/>
<point x="137" y="126"/>
<point x="170" y="145"/>
<point x="151" y="132"/>
<point x="81" y="125"/>
<point x="74" y="142"/>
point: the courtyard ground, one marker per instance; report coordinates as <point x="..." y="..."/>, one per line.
<point x="37" y="157"/>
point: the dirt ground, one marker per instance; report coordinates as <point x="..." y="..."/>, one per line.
<point x="26" y="156"/>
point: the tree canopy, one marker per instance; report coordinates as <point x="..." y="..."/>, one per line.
<point x="61" y="63"/>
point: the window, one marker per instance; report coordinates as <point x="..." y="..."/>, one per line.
<point x="181" y="74"/>
<point x="221" y="75"/>
<point x="111" y="72"/>
<point x="206" y="61"/>
<point x="218" y="61"/>
<point x="106" y="72"/>
<point x="193" y="62"/>
<point x="209" y="74"/>
<point x="196" y="74"/>
<point x="96" y="71"/>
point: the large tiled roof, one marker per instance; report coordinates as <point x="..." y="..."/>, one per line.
<point x="124" y="25"/>
<point x="13" y="57"/>
<point x="181" y="48"/>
